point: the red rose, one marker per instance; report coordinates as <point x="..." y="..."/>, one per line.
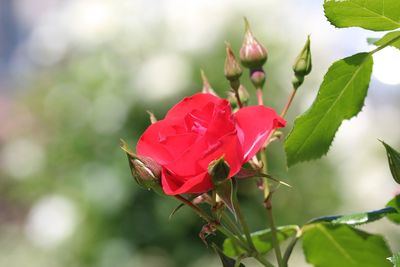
<point x="200" y="129"/>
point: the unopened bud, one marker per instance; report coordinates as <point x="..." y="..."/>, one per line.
<point x="297" y="81"/>
<point x="145" y="171"/>
<point x="232" y="69"/>
<point x="218" y="170"/>
<point x="257" y="77"/>
<point x="302" y="65"/>
<point x="207" y="89"/>
<point x="252" y="53"/>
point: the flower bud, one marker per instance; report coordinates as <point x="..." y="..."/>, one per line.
<point x="257" y="77"/>
<point x="302" y="65"/>
<point x="297" y="81"/>
<point x="207" y="89"/>
<point x="218" y="170"/>
<point x="252" y="53"/>
<point x="232" y="69"/>
<point x="145" y="171"/>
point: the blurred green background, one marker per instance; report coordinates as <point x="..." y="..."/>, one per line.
<point x="76" y="76"/>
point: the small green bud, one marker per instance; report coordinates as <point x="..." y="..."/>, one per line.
<point x="302" y="65"/>
<point x="232" y="69"/>
<point x="218" y="170"/>
<point x="145" y="171"/>
<point x="257" y="77"/>
<point x="252" y="53"/>
<point x="297" y="81"/>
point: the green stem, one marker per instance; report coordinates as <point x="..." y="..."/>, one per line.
<point x="208" y="219"/>
<point x="385" y="45"/>
<point x="288" y="103"/>
<point x="264" y="161"/>
<point x="263" y="261"/>
<point x="243" y="223"/>
<point x="233" y="227"/>
<point x="289" y="250"/>
<point x="268" y="206"/>
<point x="196" y="209"/>
<point x="274" y="233"/>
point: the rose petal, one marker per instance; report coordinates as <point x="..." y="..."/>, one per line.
<point x="187" y="164"/>
<point x="149" y="143"/>
<point x="254" y="125"/>
<point x="227" y="146"/>
<point x="197" y="101"/>
<point x="178" y="144"/>
<point x="173" y="185"/>
<point x="222" y="121"/>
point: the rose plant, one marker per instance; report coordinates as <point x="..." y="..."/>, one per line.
<point x="206" y="143"/>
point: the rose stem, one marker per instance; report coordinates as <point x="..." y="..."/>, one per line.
<point x="268" y="206"/>
<point x="196" y="209"/>
<point x="243" y="223"/>
<point x="238" y="98"/>
<point x="288" y="103"/>
<point x="233" y="227"/>
<point x="274" y="232"/>
<point x="290" y="247"/>
<point x="259" y="96"/>
<point x="263" y="261"/>
<point x="267" y="196"/>
<point x="208" y="219"/>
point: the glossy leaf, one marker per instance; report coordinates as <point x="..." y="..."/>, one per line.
<point x="377" y="15"/>
<point x="358" y="218"/>
<point x="395" y="259"/>
<point x="394" y="161"/>
<point x="226" y="261"/>
<point x="388" y="38"/>
<point x="340" y="97"/>
<point x="262" y="240"/>
<point x="394" y="203"/>
<point x="327" y="245"/>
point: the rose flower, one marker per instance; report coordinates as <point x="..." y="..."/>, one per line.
<point x="200" y="129"/>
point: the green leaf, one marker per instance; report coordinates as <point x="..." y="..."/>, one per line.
<point x="394" y="161"/>
<point x="394" y="203"/>
<point x="262" y="240"/>
<point x="358" y="218"/>
<point x="376" y="15"/>
<point x="340" y="97"/>
<point x="387" y="38"/>
<point x="395" y="259"/>
<point x="327" y="245"/>
<point x="226" y="261"/>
